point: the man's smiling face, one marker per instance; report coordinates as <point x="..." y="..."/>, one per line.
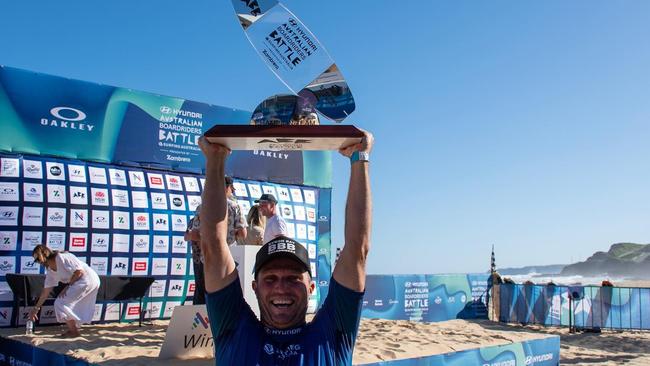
<point x="282" y="288"/>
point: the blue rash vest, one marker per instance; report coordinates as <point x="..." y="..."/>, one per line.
<point x="241" y="339"/>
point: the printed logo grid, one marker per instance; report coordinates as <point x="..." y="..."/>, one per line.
<point x="122" y="221"/>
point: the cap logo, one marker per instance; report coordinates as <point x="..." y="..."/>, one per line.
<point x="282" y="247"/>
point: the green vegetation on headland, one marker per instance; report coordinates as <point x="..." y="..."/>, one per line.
<point x="622" y="260"/>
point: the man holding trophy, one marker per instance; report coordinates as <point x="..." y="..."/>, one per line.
<point x="283" y="280"/>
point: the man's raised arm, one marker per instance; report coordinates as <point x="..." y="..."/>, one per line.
<point x="219" y="266"/>
<point x="350" y="270"/>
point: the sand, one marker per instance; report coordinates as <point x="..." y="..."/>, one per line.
<point x="127" y="344"/>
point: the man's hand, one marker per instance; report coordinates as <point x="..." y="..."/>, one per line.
<point x="211" y="150"/>
<point x="364" y="146"/>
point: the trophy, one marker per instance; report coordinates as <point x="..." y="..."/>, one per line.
<point x="299" y="60"/>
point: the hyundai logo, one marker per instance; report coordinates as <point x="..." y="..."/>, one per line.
<point x="78" y="115"/>
<point x="165" y="109"/>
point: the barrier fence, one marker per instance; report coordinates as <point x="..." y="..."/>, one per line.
<point x="587" y="307"/>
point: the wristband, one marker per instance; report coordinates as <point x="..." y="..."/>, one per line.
<point x="359" y="156"/>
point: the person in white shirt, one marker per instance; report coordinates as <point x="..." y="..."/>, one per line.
<point x="275" y="225"/>
<point x="75" y="305"/>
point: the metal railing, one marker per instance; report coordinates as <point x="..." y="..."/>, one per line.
<point x="586" y="307"/>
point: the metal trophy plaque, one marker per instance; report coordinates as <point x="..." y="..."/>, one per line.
<point x="299" y="60"/>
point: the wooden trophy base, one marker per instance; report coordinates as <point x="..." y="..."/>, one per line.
<point x="284" y="137"/>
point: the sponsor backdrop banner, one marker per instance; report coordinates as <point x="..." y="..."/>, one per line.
<point x="129" y="221"/>
<point x="49" y="115"/>
<point x="592" y="307"/>
<point x="426" y="298"/>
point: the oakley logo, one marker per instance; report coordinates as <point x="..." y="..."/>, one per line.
<point x="177" y="202"/>
<point x="71" y="114"/>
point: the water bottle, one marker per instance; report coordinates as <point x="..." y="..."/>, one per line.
<point x="29" y="330"/>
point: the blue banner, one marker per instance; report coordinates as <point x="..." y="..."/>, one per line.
<point x="49" y="115"/>
<point x="588" y="306"/>
<point x="13" y="353"/>
<point x="426" y="298"/>
<point x="538" y="352"/>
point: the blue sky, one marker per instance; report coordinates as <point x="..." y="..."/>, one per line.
<point x="516" y="123"/>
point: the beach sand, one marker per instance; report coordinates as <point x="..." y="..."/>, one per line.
<point x="128" y="344"/>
